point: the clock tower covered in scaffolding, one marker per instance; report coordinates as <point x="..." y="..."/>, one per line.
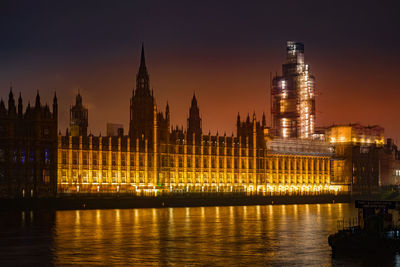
<point x="293" y="96"/>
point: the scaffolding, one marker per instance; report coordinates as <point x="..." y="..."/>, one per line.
<point x="293" y="97"/>
<point x="297" y="146"/>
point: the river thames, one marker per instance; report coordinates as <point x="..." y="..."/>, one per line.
<point x="277" y="235"/>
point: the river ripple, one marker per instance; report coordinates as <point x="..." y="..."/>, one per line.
<point x="277" y="235"/>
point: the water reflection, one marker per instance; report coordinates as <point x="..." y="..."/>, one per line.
<point x="26" y="238"/>
<point x="218" y="236"/>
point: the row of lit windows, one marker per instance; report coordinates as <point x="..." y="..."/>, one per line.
<point x="104" y="159"/>
<point x="169" y="161"/>
<point x="213" y="150"/>
<point x="98" y="177"/>
<point x="196" y="150"/>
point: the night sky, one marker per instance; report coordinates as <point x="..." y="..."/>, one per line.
<point x="224" y="51"/>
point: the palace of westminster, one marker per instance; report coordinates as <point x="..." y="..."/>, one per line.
<point x="292" y="156"/>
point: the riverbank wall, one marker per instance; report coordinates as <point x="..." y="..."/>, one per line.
<point x="179" y="200"/>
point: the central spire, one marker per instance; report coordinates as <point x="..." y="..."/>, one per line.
<point x="194" y="100"/>
<point x="142" y="60"/>
<point x="142" y="116"/>
<point x="142" y="78"/>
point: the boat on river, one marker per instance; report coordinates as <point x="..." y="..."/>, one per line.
<point x="374" y="231"/>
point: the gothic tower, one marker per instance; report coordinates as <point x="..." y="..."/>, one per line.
<point x="194" y="121"/>
<point x="142" y="105"/>
<point x="78" y="118"/>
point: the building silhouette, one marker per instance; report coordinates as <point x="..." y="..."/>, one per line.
<point x="28" y="148"/>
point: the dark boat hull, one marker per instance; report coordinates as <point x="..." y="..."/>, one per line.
<point x="362" y="243"/>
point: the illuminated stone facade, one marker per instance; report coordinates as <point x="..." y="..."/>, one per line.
<point x="154" y="158"/>
<point x="215" y="164"/>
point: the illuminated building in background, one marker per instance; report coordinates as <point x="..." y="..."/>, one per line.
<point x="28" y="149"/>
<point x="356" y="134"/>
<point x="367" y="161"/>
<point x="154" y="158"/>
<point x="293" y="96"/>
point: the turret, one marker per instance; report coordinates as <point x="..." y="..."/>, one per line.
<point x="3" y="110"/>
<point x="254" y="131"/>
<point x="55" y="106"/>
<point x="11" y="103"/>
<point x="28" y="108"/>
<point x="20" y="106"/>
<point x="194" y="120"/>
<point x="238" y="125"/>
<point x="263" y="120"/>
<point x="167" y="116"/>
<point x="155" y="141"/>
<point x="78" y="101"/>
<point x="78" y="117"/>
<point x="37" y="103"/>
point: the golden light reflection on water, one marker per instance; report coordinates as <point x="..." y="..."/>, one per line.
<point x="217" y="213"/>
<point x="319" y="212"/>
<point x="252" y="235"/>
<point x="295" y="212"/>
<point x="340" y="210"/>
<point x="77" y="218"/>
<point x="283" y="207"/>
<point x="329" y="210"/>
